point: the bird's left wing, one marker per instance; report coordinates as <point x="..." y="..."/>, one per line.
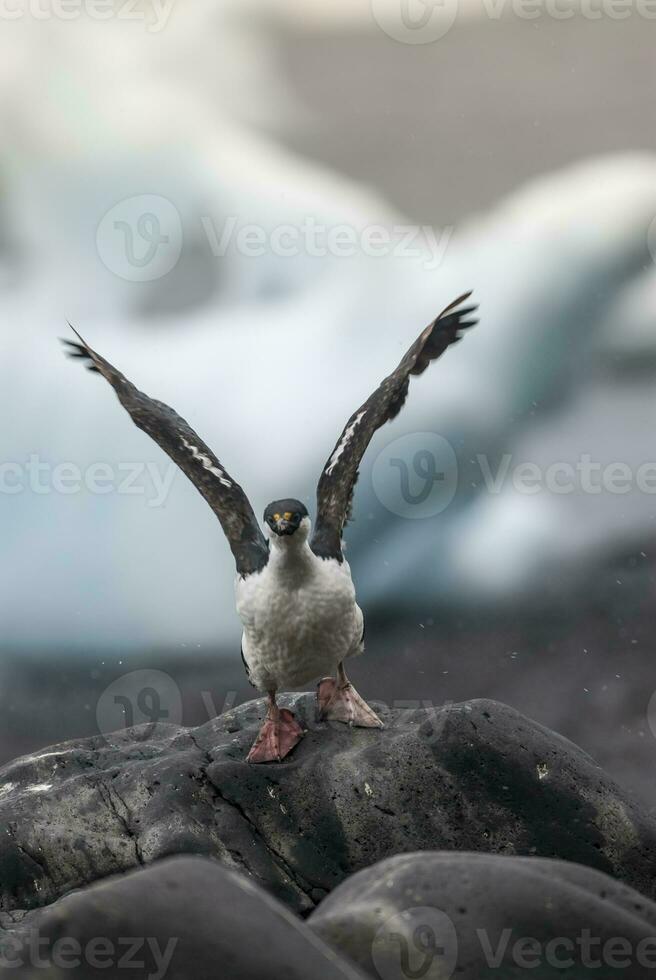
<point x="195" y="459"/>
<point x="335" y="488"/>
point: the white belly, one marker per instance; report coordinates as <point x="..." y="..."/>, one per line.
<point x="300" y="620"/>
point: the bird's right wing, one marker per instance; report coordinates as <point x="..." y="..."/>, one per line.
<point x="226" y="498"/>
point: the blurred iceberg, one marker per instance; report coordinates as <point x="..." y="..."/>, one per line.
<point x="267" y="355"/>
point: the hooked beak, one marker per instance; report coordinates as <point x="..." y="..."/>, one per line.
<point x="284" y="526"/>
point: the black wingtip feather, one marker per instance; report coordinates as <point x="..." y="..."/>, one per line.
<point x="79" y="349"/>
<point x="75" y="350"/>
<point x="78" y="335"/>
<point x="445" y="331"/>
<point x="456" y="302"/>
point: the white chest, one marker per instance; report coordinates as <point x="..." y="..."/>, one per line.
<point x="300" y="619"/>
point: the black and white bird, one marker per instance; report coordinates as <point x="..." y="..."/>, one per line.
<point x="294" y="592"/>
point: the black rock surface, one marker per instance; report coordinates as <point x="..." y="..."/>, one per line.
<point x="472" y="776"/>
<point x="184" y="918"/>
<point x="480" y="916"/>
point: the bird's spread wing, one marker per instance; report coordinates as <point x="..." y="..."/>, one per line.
<point x="335" y="488"/>
<point x="195" y="459"/>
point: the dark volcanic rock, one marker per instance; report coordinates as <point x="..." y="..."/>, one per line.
<point x="480" y="916"/>
<point x="474" y="776"/>
<point x="185" y="918"/>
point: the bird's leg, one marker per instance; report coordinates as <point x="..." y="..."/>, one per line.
<point x="339" y="701"/>
<point x="278" y="735"/>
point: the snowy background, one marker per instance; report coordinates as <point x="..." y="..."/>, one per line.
<point x="252" y="210"/>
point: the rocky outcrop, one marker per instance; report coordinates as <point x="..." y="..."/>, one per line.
<point x="185" y="918"/>
<point x="484" y="916"/>
<point x="475" y="776"/>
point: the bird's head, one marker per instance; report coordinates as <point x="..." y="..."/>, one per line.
<point x="288" y="518"/>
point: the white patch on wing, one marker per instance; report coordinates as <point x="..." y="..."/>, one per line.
<point x="39" y="756"/>
<point x="334" y="459"/>
<point x="207" y="463"/>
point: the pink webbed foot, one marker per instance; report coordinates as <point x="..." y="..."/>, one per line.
<point x="341" y="702"/>
<point x="277" y="737"/>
